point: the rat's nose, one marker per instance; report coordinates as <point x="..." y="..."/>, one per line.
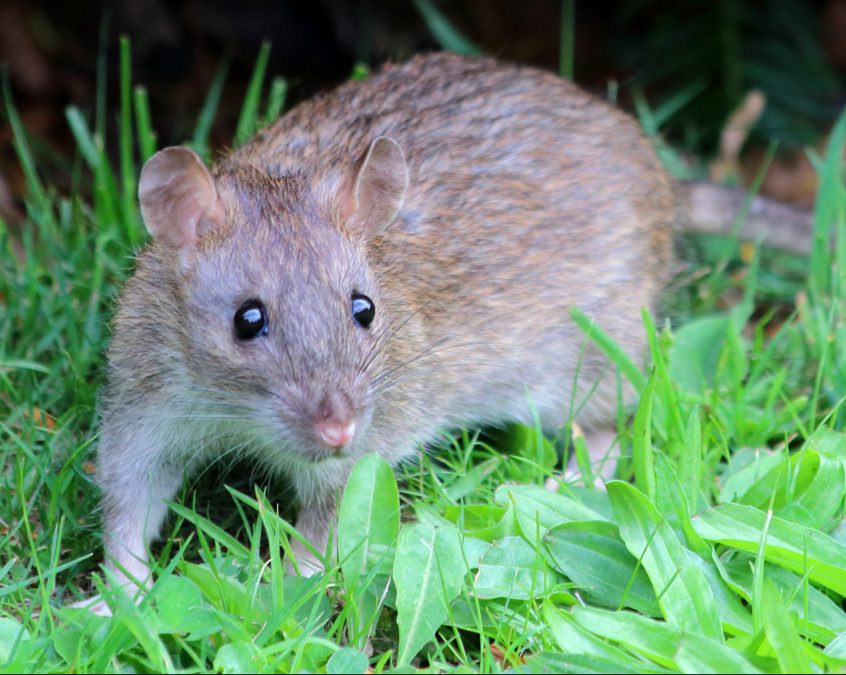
<point x="335" y="434"/>
<point x="334" y="423"/>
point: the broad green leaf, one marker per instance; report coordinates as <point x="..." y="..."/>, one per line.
<point x="474" y="517"/>
<point x="177" y="603"/>
<point x="736" y="619"/>
<point x="745" y="468"/>
<point x="828" y="442"/>
<point x="593" y="557"/>
<point x="683" y="593"/>
<point x="464" y="484"/>
<point x="695" y="352"/>
<point x="573" y="639"/>
<point x="239" y="657"/>
<point x="347" y="661"/>
<point x="511" y="568"/>
<point x="667" y="645"/>
<point x="824" y="495"/>
<point x="483" y="521"/>
<point x="807" y="488"/>
<point x="473" y="549"/>
<point x="429" y="574"/>
<point x="818" y="616"/>
<point x="531" y="443"/>
<point x="789" y="545"/>
<point x="368" y="525"/>
<point x="837" y="648"/>
<point x="222" y="591"/>
<point x="11" y="633"/>
<point x="595" y="500"/>
<point x="537" y="509"/>
<point x="77" y="638"/>
<point x="697" y="654"/>
<point x="673" y="504"/>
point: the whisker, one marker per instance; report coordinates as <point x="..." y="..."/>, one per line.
<point x="433" y="349"/>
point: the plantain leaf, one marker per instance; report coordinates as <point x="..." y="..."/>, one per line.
<point x="429" y="574"/>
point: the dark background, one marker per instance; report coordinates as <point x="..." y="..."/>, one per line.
<point x="692" y="59"/>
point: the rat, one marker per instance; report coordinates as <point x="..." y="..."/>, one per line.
<point x="387" y="261"/>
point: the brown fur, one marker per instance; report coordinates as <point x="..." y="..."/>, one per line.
<point x="525" y="197"/>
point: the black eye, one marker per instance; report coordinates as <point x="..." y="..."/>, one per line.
<point x="250" y="320"/>
<point x="363" y="309"/>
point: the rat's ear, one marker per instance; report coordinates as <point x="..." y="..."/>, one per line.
<point x="179" y="201"/>
<point x="380" y="184"/>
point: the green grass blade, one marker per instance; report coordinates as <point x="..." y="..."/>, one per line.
<point x="275" y="99"/>
<point x="37" y="193"/>
<point x="444" y="32"/>
<point x="146" y="135"/>
<point x="248" y="119"/>
<point x="642" y="452"/>
<point x="782" y="634"/>
<point x="127" y="161"/>
<point x="200" y="141"/>
<point x="610" y="348"/>
<point x="567" y="49"/>
<point x="828" y="206"/>
<point x="214" y="531"/>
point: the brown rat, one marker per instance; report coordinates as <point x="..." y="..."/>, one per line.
<point x="387" y="261"/>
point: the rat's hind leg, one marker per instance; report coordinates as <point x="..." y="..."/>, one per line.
<point x="603" y="453"/>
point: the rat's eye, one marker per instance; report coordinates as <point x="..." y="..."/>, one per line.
<point x="363" y="309"/>
<point x="251" y="320"/>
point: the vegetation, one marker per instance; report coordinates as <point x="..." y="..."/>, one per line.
<point x="721" y="549"/>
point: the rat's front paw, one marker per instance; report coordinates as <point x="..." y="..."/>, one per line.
<point x="95" y="605"/>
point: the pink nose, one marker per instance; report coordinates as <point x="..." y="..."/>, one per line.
<point x="335" y="434"/>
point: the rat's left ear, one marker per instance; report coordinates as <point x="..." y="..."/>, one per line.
<point x="380" y="184"/>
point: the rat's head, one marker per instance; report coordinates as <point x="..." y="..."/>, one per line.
<point x="283" y="318"/>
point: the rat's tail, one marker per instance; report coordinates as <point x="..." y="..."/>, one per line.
<point x="715" y="209"/>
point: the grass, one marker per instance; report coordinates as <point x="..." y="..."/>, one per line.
<point x="722" y="549"/>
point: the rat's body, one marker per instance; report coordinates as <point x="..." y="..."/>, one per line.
<point x="506" y="197"/>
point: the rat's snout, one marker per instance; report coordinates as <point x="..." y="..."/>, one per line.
<point x="334" y="423"/>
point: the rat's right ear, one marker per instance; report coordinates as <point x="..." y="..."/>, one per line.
<point x="179" y="201"/>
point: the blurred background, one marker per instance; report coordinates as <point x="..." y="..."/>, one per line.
<point x="684" y="66"/>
